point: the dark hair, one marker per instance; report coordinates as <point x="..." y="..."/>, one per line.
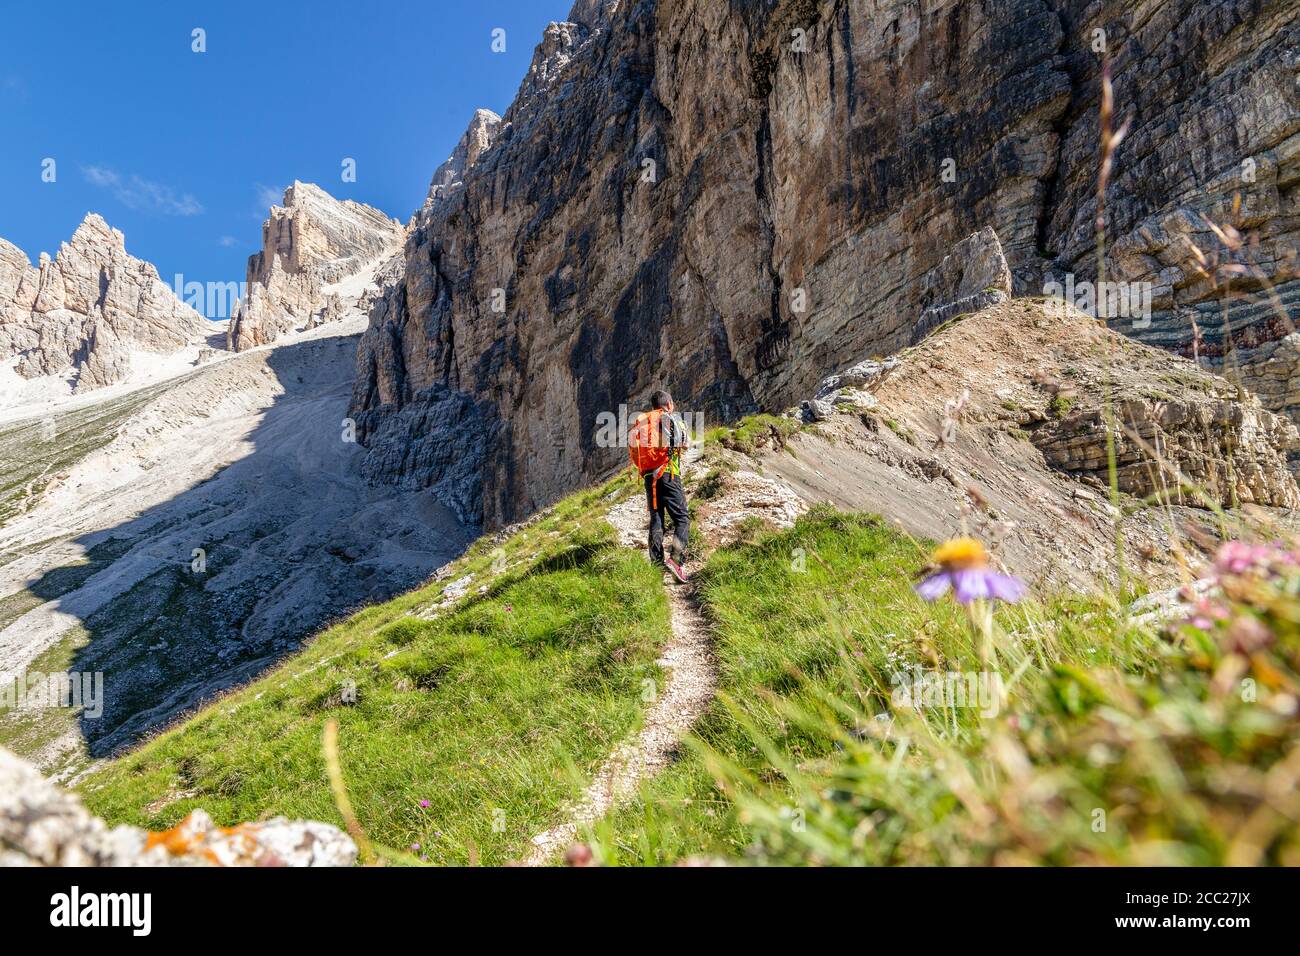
<point x="660" y="399"/>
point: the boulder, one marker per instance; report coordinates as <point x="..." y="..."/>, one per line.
<point x="817" y="410"/>
<point x="41" y="825"/>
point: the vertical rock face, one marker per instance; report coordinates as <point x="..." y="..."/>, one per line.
<point x="731" y="200"/>
<point x="310" y="245"/>
<point x="974" y="276"/>
<point x="87" y="309"/>
<point x="1211" y="91"/>
<point x="478" y="137"/>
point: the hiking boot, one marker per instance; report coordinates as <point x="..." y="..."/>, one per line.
<point x="675" y="560"/>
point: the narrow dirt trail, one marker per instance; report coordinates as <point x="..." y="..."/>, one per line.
<point x="692" y="679"/>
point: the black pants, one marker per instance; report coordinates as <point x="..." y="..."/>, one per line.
<point x="672" y="498"/>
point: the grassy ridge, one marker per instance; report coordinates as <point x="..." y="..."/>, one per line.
<point x="1107" y="740"/>
<point x="783" y="605"/>
<point x="494" y="712"/>
<point x="1113" y="744"/>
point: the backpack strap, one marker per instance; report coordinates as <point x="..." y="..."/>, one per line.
<point x="654" y="485"/>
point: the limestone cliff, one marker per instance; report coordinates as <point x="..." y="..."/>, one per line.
<point x="1207" y="185"/>
<point x="84" y="312"/>
<point x="478" y="137"/>
<point x="311" y="247"/>
<point x="733" y="199"/>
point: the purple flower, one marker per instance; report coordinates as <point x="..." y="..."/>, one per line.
<point x="424" y="804"/>
<point x="963" y="566"/>
<point x="1248" y="634"/>
<point x="971" y="584"/>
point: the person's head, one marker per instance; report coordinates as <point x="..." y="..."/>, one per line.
<point x="661" y="399"/>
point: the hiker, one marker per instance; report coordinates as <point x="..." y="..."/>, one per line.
<point x="656" y="443"/>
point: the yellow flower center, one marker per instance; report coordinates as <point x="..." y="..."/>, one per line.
<point x="960" y="553"/>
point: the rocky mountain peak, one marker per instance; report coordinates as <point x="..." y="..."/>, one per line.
<point x="560" y="44"/>
<point x="313" y="231"/>
<point x="15" y="268"/>
<point x="563" y="44"/>
<point x="311" y="244"/>
<point x="85" y="312"/>
<point x="477" y="138"/>
<point x="307" y="191"/>
<point x="94" y="228"/>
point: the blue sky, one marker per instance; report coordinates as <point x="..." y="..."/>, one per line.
<point x="184" y="151"/>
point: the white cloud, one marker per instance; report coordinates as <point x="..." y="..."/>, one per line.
<point x="136" y="192"/>
<point x="227" y="241"/>
<point x="268" y="196"/>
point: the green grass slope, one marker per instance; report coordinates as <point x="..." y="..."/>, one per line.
<point x="1115" y="743"/>
<point x="1087" y="734"/>
<point x="468" y="732"/>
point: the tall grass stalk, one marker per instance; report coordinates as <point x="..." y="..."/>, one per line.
<point x="1110" y="140"/>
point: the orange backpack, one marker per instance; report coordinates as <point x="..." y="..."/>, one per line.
<point x="645" y="443"/>
<point x="648" y="449"/>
